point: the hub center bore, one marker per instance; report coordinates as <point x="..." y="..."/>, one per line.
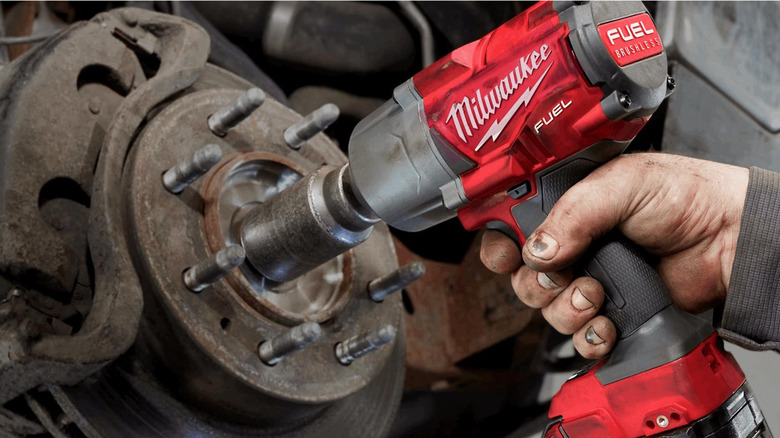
<point x="243" y="182"/>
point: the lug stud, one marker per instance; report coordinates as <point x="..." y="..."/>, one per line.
<point x="227" y="117"/>
<point x="381" y="287"/>
<point x="275" y="349"/>
<point x="311" y="125"/>
<point x="208" y="271"/>
<point x="196" y="165"/>
<point x="359" y="346"/>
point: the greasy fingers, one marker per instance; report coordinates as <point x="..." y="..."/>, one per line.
<point x="575" y="306"/>
<point x="499" y="253"/>
<point x="586" y="211"/>
<point x="538" y="289"/>
<point x="596" y="338"/>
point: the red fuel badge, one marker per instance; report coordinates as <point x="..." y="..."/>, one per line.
<point x="631" y="39"/>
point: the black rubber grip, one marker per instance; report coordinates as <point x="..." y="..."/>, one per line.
<point x="634" y="290"/>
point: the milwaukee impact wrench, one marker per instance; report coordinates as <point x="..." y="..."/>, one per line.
<point x="495" y="132"/>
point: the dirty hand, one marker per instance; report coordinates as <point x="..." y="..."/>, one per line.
<point x="684" y="210"/>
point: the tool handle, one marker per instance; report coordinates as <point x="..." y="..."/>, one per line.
<point x="634" y="290"/>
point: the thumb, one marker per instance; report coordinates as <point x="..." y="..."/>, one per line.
<point x="588" y="210"/>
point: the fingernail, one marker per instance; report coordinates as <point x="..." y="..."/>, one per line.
<point x="592" y="337"/>
<point x="579" y="301"/>
<point x="545" y="281"/>
<point x="544" y="246"/>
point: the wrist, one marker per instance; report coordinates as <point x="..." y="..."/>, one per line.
<point x="737" y="192"/>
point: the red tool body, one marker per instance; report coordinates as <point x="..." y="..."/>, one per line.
<point x="496" y="132"/>
<point x="683" y="391"/>
<point x="517" y="102"/>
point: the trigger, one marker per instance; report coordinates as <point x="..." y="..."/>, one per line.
<point x="495" y="213"/>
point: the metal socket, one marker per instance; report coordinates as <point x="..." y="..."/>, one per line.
<point x="301" y="228"/>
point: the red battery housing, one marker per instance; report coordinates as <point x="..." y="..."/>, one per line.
<point x="681" y="392"/>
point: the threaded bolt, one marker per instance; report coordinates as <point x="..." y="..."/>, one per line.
<point x="311" y="125"/>
<point x="277" y="348"/>
<point x="230" y="115"/>
<point x="670" y="83"/>
<point x="359" y="346"/>
<point x="381" y="287"/>
<point x="208" y="271"/>
<point x="196" y="165"/>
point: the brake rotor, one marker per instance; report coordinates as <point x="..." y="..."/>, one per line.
<point x="228" y="320"/>
<point x="194" y="367"/>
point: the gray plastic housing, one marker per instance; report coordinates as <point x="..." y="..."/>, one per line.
<point x="410" y="178"/>
<point x="667" y="336"/>
<point x="400" y="171"/>
<point x="644" y="81"/>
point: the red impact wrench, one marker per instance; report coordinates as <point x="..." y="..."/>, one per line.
<point x="495" y="132"/>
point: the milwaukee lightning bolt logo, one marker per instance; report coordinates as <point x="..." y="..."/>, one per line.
<point x="472" y="113"/>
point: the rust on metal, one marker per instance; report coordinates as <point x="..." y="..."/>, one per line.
<point x="212" y="337"/>
<point x="61" y="216"/>
<point x="458" y="310"/>
<point x="128" y="94"/>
